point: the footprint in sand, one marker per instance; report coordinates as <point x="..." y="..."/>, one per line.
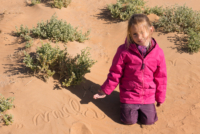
<point x="195" y="110"/>
<point x="80" y="128"/>
<point x="19" y="126"/>
<point x="181" y="61"/>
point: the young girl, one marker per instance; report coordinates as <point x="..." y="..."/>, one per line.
<point x="140" y="70"/>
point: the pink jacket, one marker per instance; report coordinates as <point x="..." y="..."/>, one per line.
<point x="141" y="80"/>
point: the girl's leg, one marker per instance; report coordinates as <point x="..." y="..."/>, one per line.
<point x="129" y="113"/>
<point x="147" y="114"/>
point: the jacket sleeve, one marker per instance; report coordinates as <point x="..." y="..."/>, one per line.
<point x="115" y="73"/>
<point x="160" y="78"/>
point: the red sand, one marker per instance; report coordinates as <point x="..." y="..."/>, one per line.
<point x="47" y="108"/>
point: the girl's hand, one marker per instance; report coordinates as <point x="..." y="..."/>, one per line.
<point x="158" y="104"/>
<point x="99" y="95"/>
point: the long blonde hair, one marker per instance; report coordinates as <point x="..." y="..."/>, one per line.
<point x="135" y="20"/>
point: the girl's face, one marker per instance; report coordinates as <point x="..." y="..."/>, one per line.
<point x="140" y="34"/>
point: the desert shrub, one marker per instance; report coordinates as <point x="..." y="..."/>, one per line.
<point x="193" y="41"/>
<point x="55" y="3"/>
<point x="26" y="37"/>
<point x="6" y="104"/>
<point x="33" y="2"/>
<point x="77" y="67"/>
<point x="123" y="9"/>
<point x="29" y="44"/>
<point x="55" y="30"/>
<point x="182" y="19"/>
<point x="22" y="31"/>
<point x="61" y="3"/>
<point x="8" y="119"/>
<point x="46" y="58"/>
<point x="49" y="61"/>
<point x="179" y="19"/>
<point x="59" y="30"/>
<point x="154" y="10"/>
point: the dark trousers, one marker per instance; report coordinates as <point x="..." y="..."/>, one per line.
<point x="141" y="113"/>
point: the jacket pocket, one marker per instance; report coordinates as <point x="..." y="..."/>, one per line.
<point x="152" y="89"/>
<point x="152" y="86"/>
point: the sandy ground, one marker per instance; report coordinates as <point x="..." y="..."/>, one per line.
<point x="47" y="108"/>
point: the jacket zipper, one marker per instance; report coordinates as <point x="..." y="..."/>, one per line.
<point x="143" y="66"/>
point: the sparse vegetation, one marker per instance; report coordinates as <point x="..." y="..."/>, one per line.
<point x="154" y="10"/>
<point x="54" y="3"/>
<point x="6" y="104"/>
<point x="76" y="68"/>
<point x="61" y="3"/>
<point x="26" y="37"/>
<point x="33" y="2"/>
<point x="49" y="61"/>
<point x="58" y="30"/>
<point x="123" y="9"/>
<point x="181" y="19"/>
<point x="29" y="44"/>
<point x="193" y="41"/>
<point x="55" y="30"/>
<point x="22" y="31"/>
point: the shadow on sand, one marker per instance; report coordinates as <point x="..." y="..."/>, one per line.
<point x="106" y="16"/>
<point x="85" y="91"/>
<point x="110" y="105"/>
<point x="180" y="41"/>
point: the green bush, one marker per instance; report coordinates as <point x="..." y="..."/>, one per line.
<point x="6" y="104"/>
<point x="49" y="61"/>
<point x="33" y="2"/>
<point x="55" y="30"/>
<point x="123" y="9"/>
<point x="22" y="31"/>
<point x="154" y="10"/>
<point x="26" y="37"/>
<point x="58" y="30"/>
<point x="45" y="60"/>
<point x="55" y="3"/>
<point x="61" y="3"/>
<point x="193" y="41"/>
<point x="181" y="19"/>
<point x="29" y="44"/>
<point x="8" y="119"/>
<point x="76" y="68"/>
